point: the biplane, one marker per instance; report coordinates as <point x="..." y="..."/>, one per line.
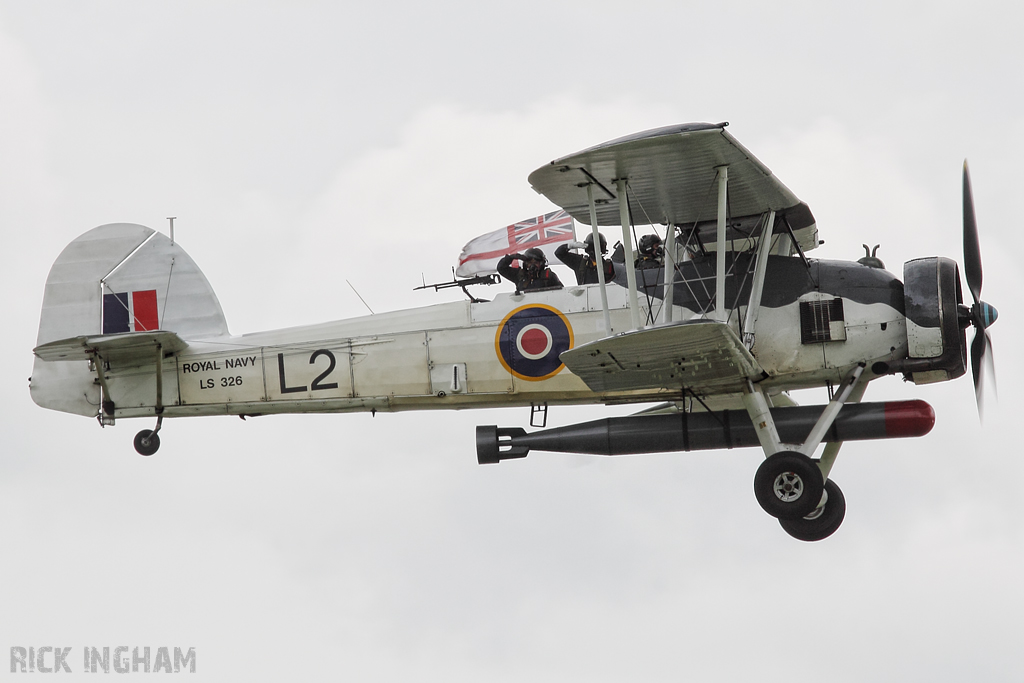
<point x="737" y="317"/>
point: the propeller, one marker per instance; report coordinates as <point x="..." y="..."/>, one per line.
<point x="981" y="314"/>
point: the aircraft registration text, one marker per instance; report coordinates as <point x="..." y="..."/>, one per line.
<point x="221" y="379"/>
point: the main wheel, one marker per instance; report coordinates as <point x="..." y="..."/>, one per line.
<point x="822" y="522"/>
<point x="147" y="442"/>
<point x="788" y="485"/>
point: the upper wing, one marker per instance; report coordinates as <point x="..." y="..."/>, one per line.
<point x="702" y="355"/>
<point x="126" y="348"/>
<point x="671" y="174"/>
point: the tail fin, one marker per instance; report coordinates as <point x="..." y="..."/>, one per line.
<point x="117" y="278"/>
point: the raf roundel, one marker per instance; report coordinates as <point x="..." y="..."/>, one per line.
<point x="530" y="339"/>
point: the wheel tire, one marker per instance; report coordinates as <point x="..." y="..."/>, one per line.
<point x="146" y="442"/>
<point x="788" y="485"/>
<point x="825" y="523"/>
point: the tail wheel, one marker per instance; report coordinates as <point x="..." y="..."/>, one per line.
<point x="147" y="442"/>
<point x="822" y="522"/>
<point x="788" y="485"/>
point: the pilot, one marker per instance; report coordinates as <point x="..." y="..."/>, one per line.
<point x="533" y="273"/>
<point x="652" y="253"/>
<point x="585" y="266"/>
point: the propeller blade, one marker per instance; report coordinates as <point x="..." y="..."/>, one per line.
<point x="989" y="370"/>
<point x="982" y="314"/>
<point x="972" y="248"/>
<point x="982" y="365"/>
<point x="977" y="352"/>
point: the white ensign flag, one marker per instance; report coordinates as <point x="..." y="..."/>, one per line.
<point x="481" y="255"/>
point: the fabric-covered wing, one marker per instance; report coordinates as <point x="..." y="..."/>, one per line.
<point x="671" y="173"/>
<point x="702" y="355"/>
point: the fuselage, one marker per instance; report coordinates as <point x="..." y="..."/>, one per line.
<point x="816" y="322"/>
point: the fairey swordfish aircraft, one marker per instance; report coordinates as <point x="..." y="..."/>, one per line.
<point x="737" y="317"/>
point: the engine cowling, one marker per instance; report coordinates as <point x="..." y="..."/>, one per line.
<point x="936" y="340"/>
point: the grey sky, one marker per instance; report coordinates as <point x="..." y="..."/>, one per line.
<point x="302" y="144"/>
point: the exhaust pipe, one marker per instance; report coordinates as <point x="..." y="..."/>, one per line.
<point x="703" y="431"/>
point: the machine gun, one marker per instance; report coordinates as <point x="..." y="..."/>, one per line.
<point x="492" y="279"/>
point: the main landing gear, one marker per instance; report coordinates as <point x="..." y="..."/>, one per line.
<point x="790" y="485"/>
<point x="823" y="521"/>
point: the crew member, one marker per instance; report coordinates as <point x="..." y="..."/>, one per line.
<point x="652" y="253"/>
<point x="585" y="265"/>
<point x="533" y="272"/>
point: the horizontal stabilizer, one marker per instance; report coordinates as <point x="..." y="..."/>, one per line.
<point x="701" y="355"/>
<point x="127" y="348"/>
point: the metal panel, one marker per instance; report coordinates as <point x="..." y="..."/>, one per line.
<point x="135" y="387"/>
<point x="571" y="299"/>
<point x="448" y="378"/>
<point x="473" y="346"/>
<point x="391" y="365"/>
<point x="921" y="287"/>
<point x="309" y="372"/>
<point x="226" y="377"/>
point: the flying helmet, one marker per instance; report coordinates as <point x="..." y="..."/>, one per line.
<point x="535" y="254"/>
<point x="589" y="241"/>
<point x="650" y="246"/>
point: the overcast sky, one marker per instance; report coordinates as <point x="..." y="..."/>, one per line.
<point x="301" y="144"/>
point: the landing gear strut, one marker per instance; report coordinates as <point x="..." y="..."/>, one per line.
<point x="147" y="442"/>
<point x="791" y="486"/>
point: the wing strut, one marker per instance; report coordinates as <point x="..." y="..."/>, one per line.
<point x="600" y="267"/>
<point x="757" y="288"/>
<point x="107" y="404"/>
<point x="670" y="271"/>
<point x="721" y="312"/>
<point x="627" y="243"/>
